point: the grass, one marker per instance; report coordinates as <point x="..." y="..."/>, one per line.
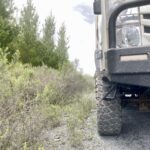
<point x="78" y="114"/>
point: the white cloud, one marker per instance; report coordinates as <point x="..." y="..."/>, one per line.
<point x="81" y="33"/>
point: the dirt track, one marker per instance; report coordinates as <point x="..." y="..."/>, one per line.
<point x="135" y="133"/>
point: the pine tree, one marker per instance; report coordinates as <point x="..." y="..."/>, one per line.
<point x="49" y="32"/>
<point x="6" y="8"/>
<point x="30" y="47"/>
<point x="62" y="46"/>
<point x="29" y="22"/>
<point x="50" y="57"/>
<point x="8" y="28"/>
<point x="8" y="32"/>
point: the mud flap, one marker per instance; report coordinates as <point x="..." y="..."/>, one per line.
<point x="144" y="106"/>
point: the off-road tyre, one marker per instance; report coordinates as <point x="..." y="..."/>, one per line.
<point x="109" y="120"/>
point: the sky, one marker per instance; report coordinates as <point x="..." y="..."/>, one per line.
<point x="79" y="20"/>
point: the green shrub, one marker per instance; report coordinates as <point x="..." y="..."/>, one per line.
<point x="75" y="134"/>
<point x="53" y="115"/>
<point x="62" y="87"/>
<point x="77" y="115"/>
<point x="32" y="100"/>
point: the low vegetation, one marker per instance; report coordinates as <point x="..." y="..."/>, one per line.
<point x="33" y="99"/>
<point x="78" y="114"/>
<point x="40" y="89"/>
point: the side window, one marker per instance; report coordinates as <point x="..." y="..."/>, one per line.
<point x="115" y="3"/>
<point x="145" y="25"/>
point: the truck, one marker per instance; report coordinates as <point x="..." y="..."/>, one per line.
<point x="122" y="60"/>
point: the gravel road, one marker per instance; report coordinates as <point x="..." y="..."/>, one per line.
<point x="135" y="135"/>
